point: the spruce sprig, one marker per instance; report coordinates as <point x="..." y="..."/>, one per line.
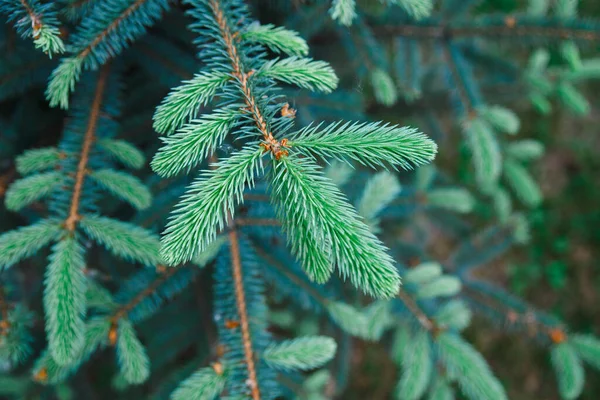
<point x="80" y="166"/>
<point x="211" y="200"/>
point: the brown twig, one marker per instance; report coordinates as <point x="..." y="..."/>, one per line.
<point x="510" y="29"/>
<point x="148" y="290"/>
<point x="4" y="310"/>
<point x="534" y="326"/>
<point x="88" y="140"/>
<point x="270" y="143"/>
<point x="257" y="222"/>
<point x="427" y="323"/>
<point x="240" y="298"/>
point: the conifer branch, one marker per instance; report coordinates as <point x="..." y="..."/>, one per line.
<point x="100" y="37"/>
<point x="240" y="297"/>
<point x="534" y="325"/>
<point x="122" y="311"/>
<point x="272" y="262"/>
<point x="89" y="137"/>
<point x="511" y="28"/>
<point x="412" y="306"/>
<point x="460" y="84"/>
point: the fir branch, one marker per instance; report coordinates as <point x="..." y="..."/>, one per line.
<point x="236" y="270"/>
<point x="88" y="140"/>
<point x="184" y="101"/>
<point x="303" y="354"/>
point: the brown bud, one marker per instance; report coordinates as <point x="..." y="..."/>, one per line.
<point x="41" y="375"/>
<point x="229" y="324"/>
<point x="557" y="336"/>
<point x="112" y="335"/>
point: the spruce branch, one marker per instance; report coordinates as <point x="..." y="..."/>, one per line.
<point x="303" y="72"/>
<point x="36" y="20"/>
<point x="38" y="160"/>
<point x="64" y="300"/>
<point x="278" y="39"/>
<point x="28" y="190"/>
<point x="343" y="11"/>
<point x="26" y="241"/>
<point x="427" y="323"/>
<point x="100" y="36"/>
<point x="193" y="143"/>
<point x="123" y="310"/>
<point x="310" y="206"/>
<point x="303" y="354"/>
<point x="372" y="144"/>
<point x="207" y="202"/>
<point x="185" y="101"/>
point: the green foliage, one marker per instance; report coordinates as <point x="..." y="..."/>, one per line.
<point x="485" y="150"/>
<point x="379" y="192"/>
<point x="357" y="254"/>
<point x="36" y="20"/>
<point x="569" y="370"/>
<point x="37" y="160"/>
<point x="193" y="143"/>
<point x="204" y="384"/>
<point x="133" y="361"/>
<point x="128" y="188"/>
<point x="469" y="369"/>
<point x="123" y="239"/>
<point x="383" y="87"/>
<point x="302" y="72"/>
<point x="343" y="11"/>
<point x="278" y="147"/>
<point x="371" y="144"/>
<point x="183" y="102"/>
<point x="204" y="208"/>
<point x="303" y="354"/>
<point x="15" y="344"/>
<point x="124" y="152"/>
<point x="587" y="348"/>
<point x="28" y="190"/>
<point x="64" y="300"/>
<point x="522" y="183"/>
<point x="277" y="39"/>
<point x="26" y="241"/>
<point x="417" y="367"/>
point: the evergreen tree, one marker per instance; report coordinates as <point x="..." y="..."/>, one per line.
<point x="209" y="269"/>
